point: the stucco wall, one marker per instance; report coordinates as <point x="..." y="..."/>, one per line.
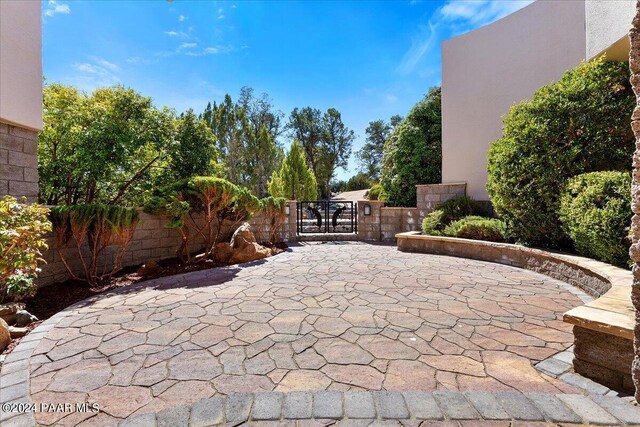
<point x="486" y="71"/>
<point x="607" y="25"/>
<point x="21" y="63"/>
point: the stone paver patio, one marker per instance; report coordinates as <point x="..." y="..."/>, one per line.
<point x="339" y="317"/>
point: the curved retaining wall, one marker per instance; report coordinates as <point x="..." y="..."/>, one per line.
<point x="603" y="328"/>
<point x="594" y="277"/>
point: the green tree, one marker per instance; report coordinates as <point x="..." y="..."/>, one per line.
<point x="194" y="153"/>
<point x="305" y="125"/>
<point x="413" y="153"/>
<point x="370" y="155"/>
<point x="247" y="132"/>
<point x="101" y="147"/>
<point x="295" y="179"/>
<point x="359" y="181"/>
<point x="326" y="141"/>
<point x="577" y="125"/>
<point x="335" y="149"/>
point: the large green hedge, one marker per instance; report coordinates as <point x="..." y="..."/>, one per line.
<point x="596" y="213"/>
<point x="579" y="124"/>
<point x="413" y="153"/>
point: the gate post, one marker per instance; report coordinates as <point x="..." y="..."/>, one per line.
<point x="291" y="233"/>
<point x="369" y="225"/>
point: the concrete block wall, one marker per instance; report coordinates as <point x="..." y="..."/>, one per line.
<point x="369" y="225"/>
<point x="18" y="162"/>
<point x="151" y="241"/>
<point x="428" y="196"/>
<point x="395" y="220"/>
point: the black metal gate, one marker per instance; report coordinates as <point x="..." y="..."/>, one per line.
<point x="326" y="216"/>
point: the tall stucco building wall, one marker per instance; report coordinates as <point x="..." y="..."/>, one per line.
<point x="486" y="71"/>
<point x="20" y="96"/>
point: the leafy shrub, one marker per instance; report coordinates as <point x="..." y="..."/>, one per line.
<point x="377" y="193"/>
<point x="477" y="228"/>
<point x="22" y="231"/>
<point x="459" y="207"/>
<point x="596" y="213"/>
<point x="432" y="223"/>
<point x="413" y="153"/>
<point x="579" y="124"/>
<point x="95" y="227"/>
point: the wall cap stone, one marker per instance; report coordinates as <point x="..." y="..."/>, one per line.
<point x="442" y="183"/>
<point x="611" y="312"/>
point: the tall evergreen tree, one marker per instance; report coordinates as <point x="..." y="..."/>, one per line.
<point x="295" y="179"/>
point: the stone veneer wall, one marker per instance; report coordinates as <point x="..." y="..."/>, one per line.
<point x="604" y="358"/>
<point x="18" y="162"/>
<point x="385" y="222"/>
<point x="151" y="241"/>
<point x="369" y="225"/>
<point x="428" y="196"/>
<point x="634" y="251"/>
<point x="397" y="220"/>
<point x="565" y="267"/>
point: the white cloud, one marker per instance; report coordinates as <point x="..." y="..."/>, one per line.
<point x="220" y="13"/>
<point x="173" y="33"/>
<point x="453" y="18"/>
<point x="105" y="64"/>
<point x="187" y="45"/>
<point x="182" y="18"/>
<point x="391" y="98"/>
<point x="97" y="73"/>
<point x="477" y="13"/>
<point x="138" y="60"/>
<point x="212" y="50"/>
<point x="53" y="8"/>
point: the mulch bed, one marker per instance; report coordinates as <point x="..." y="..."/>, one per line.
<point x="52" y="299"/>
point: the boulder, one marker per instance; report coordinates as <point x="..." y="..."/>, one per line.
<point x="250" y="252"/>
<point x="242" y="237"/>
<point x="5" y="335"/>
<point x="8" y="311"/>
<point x="17" y="332"/>
<point x="24" y="318"/>
<point x="223" y="252"/>
<point x="150" y="268"/>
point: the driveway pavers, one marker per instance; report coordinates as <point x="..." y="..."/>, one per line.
<point x="285" y="338"/>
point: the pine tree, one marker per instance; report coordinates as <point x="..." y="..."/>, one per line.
<point x="295" y="179"/>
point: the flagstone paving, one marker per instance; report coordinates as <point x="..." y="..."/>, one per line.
<point x="338" y="317"/>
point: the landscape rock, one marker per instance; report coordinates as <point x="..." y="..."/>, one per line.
<point x="150" y="268"/>
<point x="8" y="311"/>
<point x="223" y="252"/>
<point x="24" y="318"/>
<point x="242" y="237"/>
<point x="250" y="252"/>
<point x="16" y="332"/>
<point x="5" y="335"/>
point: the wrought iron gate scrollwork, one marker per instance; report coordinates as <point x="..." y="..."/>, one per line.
<point x="326" y="216"/>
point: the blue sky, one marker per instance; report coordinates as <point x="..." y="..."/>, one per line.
<point x="369" y="60"/>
